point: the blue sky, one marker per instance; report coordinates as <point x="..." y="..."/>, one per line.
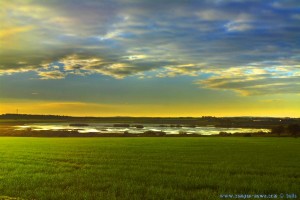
<point x="185" y="58"/>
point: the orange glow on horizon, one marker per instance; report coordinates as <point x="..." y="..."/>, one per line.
<point x="142" y="110"/>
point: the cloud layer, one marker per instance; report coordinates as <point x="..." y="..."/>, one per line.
<point x="251" y="47"/>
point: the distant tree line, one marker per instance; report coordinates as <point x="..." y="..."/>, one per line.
<point x="291" y="129"/>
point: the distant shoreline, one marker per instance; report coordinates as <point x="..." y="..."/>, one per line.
<point x="280" y="126"/>
<point x="51" y="133"/>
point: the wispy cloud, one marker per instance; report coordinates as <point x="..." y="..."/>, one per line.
<point x="219" y="39"/>
<point x="51" y="74"/>
<point x="255" y="79"/>
<point x="14" y="30"/>
<point x="238" y="26"/>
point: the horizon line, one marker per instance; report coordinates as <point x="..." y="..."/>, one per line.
<point x="241" y="116"/>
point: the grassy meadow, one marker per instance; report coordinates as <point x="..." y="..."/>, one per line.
<point x="147" y="168"/>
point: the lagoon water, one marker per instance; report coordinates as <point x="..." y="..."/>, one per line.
<point x="110" y="128"/>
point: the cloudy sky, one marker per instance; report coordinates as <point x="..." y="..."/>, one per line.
<point x="150" y="58"/>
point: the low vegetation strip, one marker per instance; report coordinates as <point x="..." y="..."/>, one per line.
<point x="10" y="132"/>
<point x="147" y="168"/>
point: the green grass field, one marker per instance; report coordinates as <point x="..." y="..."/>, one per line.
<point x="147" y="168"/>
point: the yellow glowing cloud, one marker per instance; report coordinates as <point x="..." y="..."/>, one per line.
<point x="21" y="25"/>
<point x="21" y="8"/>
<point x="14" y="30"/>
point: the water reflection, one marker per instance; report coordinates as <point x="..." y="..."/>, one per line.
<point x="111" y="128"/>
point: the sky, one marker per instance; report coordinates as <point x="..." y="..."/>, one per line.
<point x="150" y="58"/>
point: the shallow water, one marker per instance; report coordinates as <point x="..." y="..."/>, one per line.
<point x="109" y="128"/>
